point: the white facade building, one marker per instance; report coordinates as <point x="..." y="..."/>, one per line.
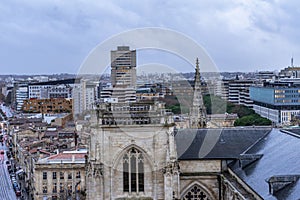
<point x="84" y="96"/>
<point x="21" y="95"/>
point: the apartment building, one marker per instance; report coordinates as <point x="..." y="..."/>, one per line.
<point x="53" y="105"/>
<point x="60" y="176"/>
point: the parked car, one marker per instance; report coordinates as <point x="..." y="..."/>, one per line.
<point x="16" y="186"/>
<point x="18" y="193"/>
<point x="2" y="152"/>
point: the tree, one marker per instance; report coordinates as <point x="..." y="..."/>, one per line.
<point x="247" y="116"/>
<point x="252" y="120"/>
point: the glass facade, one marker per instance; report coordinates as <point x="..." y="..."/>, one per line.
<point x="276" y="96"/>
<point x="278" y="104"/>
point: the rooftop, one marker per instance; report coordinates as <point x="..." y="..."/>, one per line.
<point x="280" y="161"/>
<point x="75" y="157"/>
<point x="227" y="143"/>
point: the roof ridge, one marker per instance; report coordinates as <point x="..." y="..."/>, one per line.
<point x="256" y="142"/>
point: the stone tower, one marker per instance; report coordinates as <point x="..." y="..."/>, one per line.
<point x="132" y="153"/>
<point x="198" y="110"/>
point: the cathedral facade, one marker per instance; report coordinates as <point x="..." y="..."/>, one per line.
<point x="154" y="161"/>
<point x="136" y="152"/>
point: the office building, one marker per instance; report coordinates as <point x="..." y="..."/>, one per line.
<point x="51" y="89"/>
<point x="123" y="67"/>
<point x="123" y="77"/>
<point x="238" y="92"/>
<point x="276" y="101"/>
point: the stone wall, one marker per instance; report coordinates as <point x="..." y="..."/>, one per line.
<point x="108" y="147"/>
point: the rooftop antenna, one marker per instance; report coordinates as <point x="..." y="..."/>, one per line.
<point x="292" y="62"/>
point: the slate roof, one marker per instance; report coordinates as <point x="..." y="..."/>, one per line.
<point x="227" y="143"/>
<point x="281" y="156"/>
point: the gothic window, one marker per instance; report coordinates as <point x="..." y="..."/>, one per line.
<point x="133" y="171"/>
<point x="195" y="193"/>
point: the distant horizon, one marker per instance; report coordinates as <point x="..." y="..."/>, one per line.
<point x="65" y="73"/>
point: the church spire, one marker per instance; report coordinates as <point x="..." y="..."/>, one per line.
<point x="198" y="110"/>
<point x="197" y="76"/>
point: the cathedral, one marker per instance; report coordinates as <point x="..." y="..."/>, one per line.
<point x="136" y="152"/>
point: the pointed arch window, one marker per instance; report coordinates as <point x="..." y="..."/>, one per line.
<point x="195" y="193"/>
<point x="133" y="171"/>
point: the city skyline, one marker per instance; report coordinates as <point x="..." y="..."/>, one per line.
<point x="55" y="37"/>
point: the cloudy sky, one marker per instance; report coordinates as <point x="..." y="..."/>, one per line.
<point x="55" y="36"/>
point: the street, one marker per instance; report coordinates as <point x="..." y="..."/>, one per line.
<point x="6" y="189"/>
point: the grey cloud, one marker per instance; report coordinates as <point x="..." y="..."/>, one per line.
<point x="237" y="34"/>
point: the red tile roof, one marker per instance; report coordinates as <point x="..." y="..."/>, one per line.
<point x="61" y="156"/>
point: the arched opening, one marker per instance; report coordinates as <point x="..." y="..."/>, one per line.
<point x="133" y="171"/>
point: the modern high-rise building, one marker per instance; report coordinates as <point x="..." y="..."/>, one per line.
<point x="123" y="67"/>
<point x="123" y="77"/>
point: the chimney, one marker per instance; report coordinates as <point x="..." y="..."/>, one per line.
<point x="38" y="152"/>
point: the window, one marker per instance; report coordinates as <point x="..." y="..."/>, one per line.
<point x="54" y="190"/>
<point x="61" y="175"/>
<point x="195" y="193"/>
<point x="70" y="175"/>
<point x="78" y="188"/>
<point x="54" y="175"/>
<point x="70" y="188"/>
<point x="61" y="187"/>
<point x="45" y="188"/>
<point x="78" y="174"/>
<point x="133" y="171"/>
<point x="44" y="175"/>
